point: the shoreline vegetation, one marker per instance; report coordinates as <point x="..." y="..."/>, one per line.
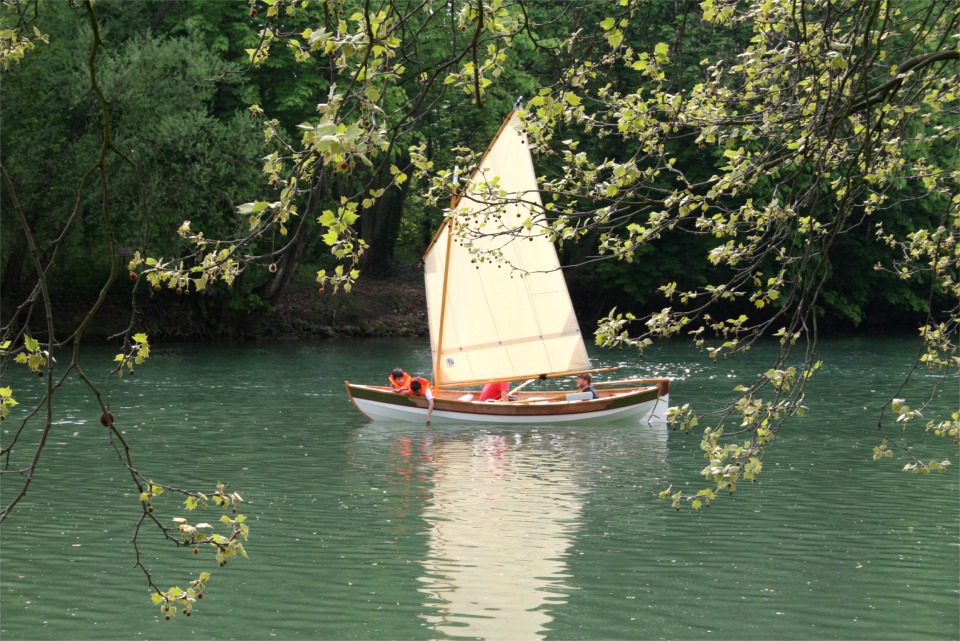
<point x="374" y="308"/>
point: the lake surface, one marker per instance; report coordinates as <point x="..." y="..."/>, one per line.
<point x="394" y="531"/>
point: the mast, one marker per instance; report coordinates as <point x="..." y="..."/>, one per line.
<point x="443" y="295"/>
<point x="454" y="201"/>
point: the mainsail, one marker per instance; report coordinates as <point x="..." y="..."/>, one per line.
<point x="497" y="302"/>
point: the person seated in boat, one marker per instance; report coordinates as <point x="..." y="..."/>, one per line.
<point x="420" y="386"/>
<point x="499" y="391"/>
<point x="399" y="381"/>
<point x="585" y="384"/>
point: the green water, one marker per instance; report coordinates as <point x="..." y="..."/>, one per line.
<point x="391" y="531"/>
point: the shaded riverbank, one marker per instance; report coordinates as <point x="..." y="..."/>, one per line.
<point x="375" y="308"/>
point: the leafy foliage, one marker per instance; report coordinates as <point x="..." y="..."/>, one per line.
<point x="818" y="120"/>
<point x="826" y="121"/>
<point x="53" y="227"/>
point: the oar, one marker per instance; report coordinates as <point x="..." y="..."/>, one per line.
<point x="543" y="400"/>
<point x="517" y="388"/>
<point x="540" y="377"/>
<point x="521" y="386"/>
<point x="646" y="381"/>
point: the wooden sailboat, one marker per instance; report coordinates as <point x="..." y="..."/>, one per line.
<point x="499" y="310"/>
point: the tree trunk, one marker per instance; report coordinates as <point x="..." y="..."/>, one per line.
<point x="160" y="13"/>
<point x="305" y="235"/>
<point x="380" y="225"/>
<point x="13" y="271"/>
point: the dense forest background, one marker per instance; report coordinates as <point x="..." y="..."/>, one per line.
<point x="178" y="79"/>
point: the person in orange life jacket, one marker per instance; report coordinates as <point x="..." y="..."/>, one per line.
<point x="421" y="387"/>
<point x="496" y="392"/>
<point x="584" y="384"/>
<point x="399" y="381"/>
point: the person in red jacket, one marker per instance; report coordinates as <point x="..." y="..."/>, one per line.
<point x="399" y="381"/>
<point x="497" y="392"/>
<point x="421" y="387"/>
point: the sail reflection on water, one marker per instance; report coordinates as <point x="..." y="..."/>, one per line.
<point x="501" y="520"/>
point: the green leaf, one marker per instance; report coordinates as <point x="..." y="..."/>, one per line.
<point x="327" y="218"/>
<point x="660" y="52"/>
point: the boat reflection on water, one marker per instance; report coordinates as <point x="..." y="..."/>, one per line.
<point x="497" y="514"/>
<point x="501" y="518"/>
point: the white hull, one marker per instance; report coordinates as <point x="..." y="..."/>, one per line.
<point x="655" y="410"/>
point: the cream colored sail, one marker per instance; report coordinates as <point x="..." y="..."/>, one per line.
<point x="497" y="301"/>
